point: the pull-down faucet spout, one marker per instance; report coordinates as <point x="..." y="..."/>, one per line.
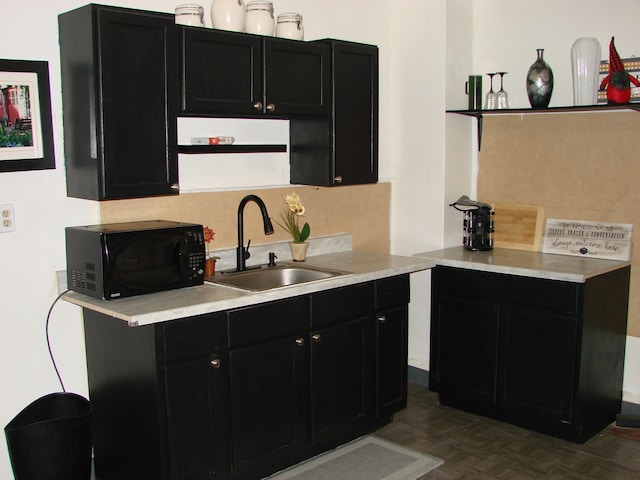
<point x="241" y="253"/>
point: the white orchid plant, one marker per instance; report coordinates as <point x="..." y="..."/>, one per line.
<point x="291" y="218"/>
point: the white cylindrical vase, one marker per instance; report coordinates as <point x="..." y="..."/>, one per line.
<point x="585" y="67"/>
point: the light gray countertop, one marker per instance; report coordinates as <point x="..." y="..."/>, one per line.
<point x="208" y="298"/>
<point x="529" y="264"/>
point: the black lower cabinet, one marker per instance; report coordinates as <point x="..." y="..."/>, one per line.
<point x="244" y="393"/>
<point x="544" y="354"/>
<point x="196" y="402"/>
<point x="342" y="379"/>
<point x="269" y="401"/>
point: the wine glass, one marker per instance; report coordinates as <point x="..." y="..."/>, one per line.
<point x="491" y="98"/>
<point x="502" y="98"/>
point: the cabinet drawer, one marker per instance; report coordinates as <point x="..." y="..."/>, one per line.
<point x="342" y="303"/>
<point x="392" y="291"/>
<point x="512" y="289"/>
<point x="194" y="336"/>
<point x="268" y="320"/>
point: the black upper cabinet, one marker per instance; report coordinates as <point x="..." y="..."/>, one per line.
<point x="225" y="73"/>
<point x="342" y="148"/>
<point x="119" y="78"/>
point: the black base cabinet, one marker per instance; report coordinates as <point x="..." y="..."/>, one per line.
<point x="244" y="393"/>
<point x="544" y="354"/>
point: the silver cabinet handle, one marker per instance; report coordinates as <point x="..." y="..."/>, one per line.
<point x="316" y="337"/>
<point x="382" y="319"/>
<point x="338" y="179"/>
<point x="300" y="341"/>
<point x="271" y="107"/>
<point x="175" y="187"/>
<point x="257" y="106"/>
<point x="216" y="363"/>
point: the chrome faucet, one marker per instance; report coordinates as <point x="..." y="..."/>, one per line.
<point x="242" y="253"/>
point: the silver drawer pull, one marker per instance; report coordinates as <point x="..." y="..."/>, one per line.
<point x="215" y="363"/>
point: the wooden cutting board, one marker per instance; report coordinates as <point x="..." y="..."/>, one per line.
<point x="517" y="226"/>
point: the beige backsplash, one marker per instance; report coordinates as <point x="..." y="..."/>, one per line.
<point x="578" y="166"/>
<point x="361" y="210"/>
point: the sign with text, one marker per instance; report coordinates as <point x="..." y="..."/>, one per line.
<point x="611" y="241"/>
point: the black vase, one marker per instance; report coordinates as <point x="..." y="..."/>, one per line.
<point x="539" y="82"/>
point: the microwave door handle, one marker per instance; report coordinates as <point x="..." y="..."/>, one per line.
<point x="177" y="257"/>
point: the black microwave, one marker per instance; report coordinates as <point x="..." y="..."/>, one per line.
<point x="118" y="260"/>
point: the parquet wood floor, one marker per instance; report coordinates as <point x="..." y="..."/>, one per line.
<point x="477" y="448"/>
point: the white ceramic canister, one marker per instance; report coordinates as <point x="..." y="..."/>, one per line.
<point x="190" y="14"/>
<point x="228" y="15"/>
<point x="259" y="18"/>
<point x="290" y="26"/>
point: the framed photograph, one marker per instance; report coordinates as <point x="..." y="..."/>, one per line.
<point x="26" y="134"/>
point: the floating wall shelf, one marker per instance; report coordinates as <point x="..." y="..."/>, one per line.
<point x="201" y="149"/>
<point x="479" y="114"/>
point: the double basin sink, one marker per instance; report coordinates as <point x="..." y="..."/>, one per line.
<point x="268" y="278"/>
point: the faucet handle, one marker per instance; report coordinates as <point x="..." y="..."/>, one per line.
<point x="245" y="251"/>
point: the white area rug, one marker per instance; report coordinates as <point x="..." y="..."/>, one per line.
<point x="367" y="458"/>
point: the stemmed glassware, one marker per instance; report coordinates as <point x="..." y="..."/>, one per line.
<point x="491" y="99"/>
<point x="502" y="98"/>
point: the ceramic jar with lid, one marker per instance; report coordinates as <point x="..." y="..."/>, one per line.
<point x="290" y="26"/>
<point x="259" y="19"/>
<point x="190" y="14"/>
<point x="228" y="15"/>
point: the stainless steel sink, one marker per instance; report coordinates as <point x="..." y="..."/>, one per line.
<point x="268" y="278"/>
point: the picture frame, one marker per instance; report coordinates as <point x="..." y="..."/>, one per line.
<point x="26" y="131"/>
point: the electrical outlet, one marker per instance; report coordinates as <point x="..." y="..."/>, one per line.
<point x="7" y="218"/>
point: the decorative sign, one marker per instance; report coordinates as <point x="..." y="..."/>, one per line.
<point x="611" y="241"/>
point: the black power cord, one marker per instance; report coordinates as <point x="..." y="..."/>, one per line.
<point x="53" y="360"/>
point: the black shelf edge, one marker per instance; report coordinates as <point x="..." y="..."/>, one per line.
<point x="479" y="114"/>
<point x="201" y="149"/>
<point x="570" y="109"/>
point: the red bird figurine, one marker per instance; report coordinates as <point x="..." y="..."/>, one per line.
<point x="618" y="82"/>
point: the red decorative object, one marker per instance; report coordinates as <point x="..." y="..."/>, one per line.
<point x="618" y="82"/>
<point x="208" y="234"/>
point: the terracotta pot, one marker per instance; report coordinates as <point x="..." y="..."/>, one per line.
<point x="209" y="267"/>
<point x="298" y="251"/>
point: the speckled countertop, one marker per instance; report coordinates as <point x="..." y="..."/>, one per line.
<point x="524" y="263"/>
<point x="207" y="298"/>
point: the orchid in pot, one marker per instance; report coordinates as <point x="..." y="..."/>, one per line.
<point x="291" y="223"/>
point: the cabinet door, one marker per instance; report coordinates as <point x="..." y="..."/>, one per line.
<point x="391" y="361"/>
<point x="119" y="90"/>
<point x="342" y="383"/>
<point x="221" y="72"/>
<point x="197" y="414"/>
<point x="341" y="149"/>
<point x="296" y="77"/>
<point x="464" y="350"/>
<point x="355" y="113"/>
<point x="538" y="364"/>
<point x="269" y="401"/>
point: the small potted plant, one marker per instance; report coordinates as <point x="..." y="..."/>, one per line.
<point x="210" y="260"/>
<point x="291" y="223"/>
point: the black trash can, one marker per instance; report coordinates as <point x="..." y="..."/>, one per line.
<point x="51" y="439"/>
